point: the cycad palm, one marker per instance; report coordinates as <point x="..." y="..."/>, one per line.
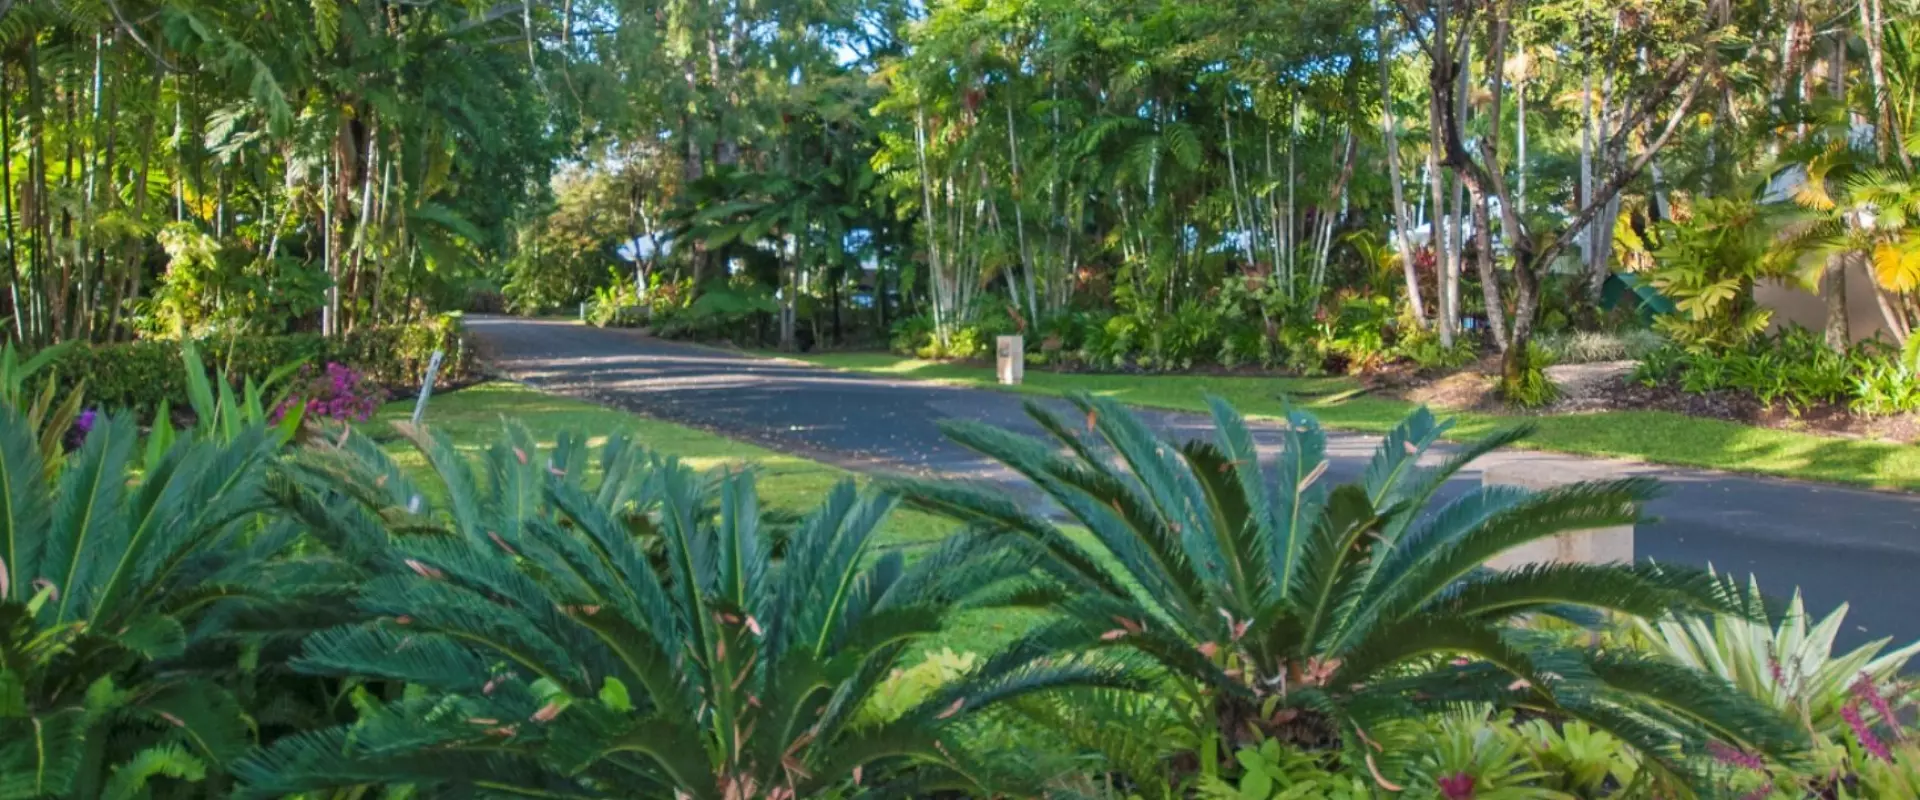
<point x="1317" y="614"/>
<point x="111" y="591"/>
<point x="637" y="639"/>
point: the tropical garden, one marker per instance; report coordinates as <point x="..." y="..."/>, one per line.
<point x="234" y="229"/>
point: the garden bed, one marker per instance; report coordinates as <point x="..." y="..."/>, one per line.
<point x="1610" y="386"/>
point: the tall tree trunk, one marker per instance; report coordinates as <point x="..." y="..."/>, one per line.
<point x="935" y="276"/>
<point x="1520" y="148"/>
<point x="1402" y="224"/>
<point x="1019" y="217"/>
<point x="1833" y="279"/>
<point x="1833" y="289"/>
<point x="1449" y="312"/>
<point x="1479" y="196"/>
<point x="1887" y="135"/>
<point x="20" y="311"/>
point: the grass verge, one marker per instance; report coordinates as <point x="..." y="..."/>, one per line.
<point x="1653" y="436"/>
<point x="473" y="417"/>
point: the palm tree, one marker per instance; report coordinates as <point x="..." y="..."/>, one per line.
<point x="1315" y="614"/>
<point x="1867" y="209"/>
<point x="638" y="638"/>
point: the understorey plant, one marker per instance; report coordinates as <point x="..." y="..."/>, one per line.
<point x="1292" y="607"/>
<point x="626" y="630"/>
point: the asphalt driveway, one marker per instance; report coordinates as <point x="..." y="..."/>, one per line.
<point x="1836" y="544"/>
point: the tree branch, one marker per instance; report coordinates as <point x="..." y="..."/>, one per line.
<point x="1413" y="27"/>
<point x="1620" y="179"/>
<point x="132" y="32"/>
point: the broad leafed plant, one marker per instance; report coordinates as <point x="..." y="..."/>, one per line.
<point x="115" y="589"/>
<point x="630" y="635"/>
<point x="1311" y="613"/>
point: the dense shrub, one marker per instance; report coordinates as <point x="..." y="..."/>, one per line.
<point x="1795" y="369"/>
<point x="1424" y="350"/>
<point x="1533" y="389"/>
<point x="909" y="334"/>
<point x="142" y="374"/>
<point x="731" y="310"/>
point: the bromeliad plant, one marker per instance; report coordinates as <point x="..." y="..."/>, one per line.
<point x="630" y="637"/>
<point x="1790" y="666"/>
<point x="1315" y="614"/>
<point x="114" y="599"/>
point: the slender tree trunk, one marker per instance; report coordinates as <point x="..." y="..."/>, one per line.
<point x="1478" y="195"/>
<point x="935" y="295"/>
<point x="1520" y="148"/>
<point x="1437" y="241"/>
<point x="20" y="311"/>
<point x="1887" y="137"/>
<point x="1019" y="217"/>
<point x="1833" y="289"/>
<point x="1890" y="314"/>
<point x="1401" y="224"/>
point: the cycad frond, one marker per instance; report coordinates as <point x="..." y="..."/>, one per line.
<point x="634" y="638"/>
<point x="1348" y="605"/>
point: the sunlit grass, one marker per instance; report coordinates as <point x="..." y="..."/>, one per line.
<point x="1653" y="436"/>
<point x="473" y="419"/>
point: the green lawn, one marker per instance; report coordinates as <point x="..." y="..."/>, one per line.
<point x="1653" y="436"/>
<point x="473" y="418"/>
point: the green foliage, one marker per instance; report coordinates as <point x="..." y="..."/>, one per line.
<point x="1576" y="758"/>
<point x="48" y="419"/>
<point x="1795" y="369"/>
<point x="1708" y="266"/>
<point x="1288" y="609"/>
<point x="1466" y="756"/>
<point x="630" y="636"/>
<point x="1789" y="664"/>
<point x="725" y="309"/>
<point x="145" y="374"/>
<point x="117" y="601"/>
<point x="910" y="334"/>
<point x="1361" y="334"/>
<point x="616" y="304"/>
<point x="1272" y="771"/>
<point x="1532" y="389"/>
<point x="1885" y="383"/>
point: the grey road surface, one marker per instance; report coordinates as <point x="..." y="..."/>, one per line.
<point x="1836" y="544"/>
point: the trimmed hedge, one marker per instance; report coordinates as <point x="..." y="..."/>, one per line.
<point x="141" y="374"/>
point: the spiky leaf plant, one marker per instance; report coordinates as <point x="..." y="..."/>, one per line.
<point x="630" y="637"/>
<point x="111" y="590"/>
<point x="1314" y="614"/>
<point x="1790" y="666"/>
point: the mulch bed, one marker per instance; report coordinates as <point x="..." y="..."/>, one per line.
<point x="1473" y="390"/>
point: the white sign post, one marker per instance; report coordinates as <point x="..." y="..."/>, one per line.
<point x="426" y="388"/>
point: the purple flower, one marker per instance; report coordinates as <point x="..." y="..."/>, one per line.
<point x="82" y="425"/>
<point x="1458" y="786"/>
<point x="1761" y="793"/>
<point x="1734" y="756"/>
<point x="1869" y="742"/>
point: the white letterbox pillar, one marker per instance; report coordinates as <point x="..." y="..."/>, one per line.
<point x="1011" y="358"/>
<point x="1597" y="546"/>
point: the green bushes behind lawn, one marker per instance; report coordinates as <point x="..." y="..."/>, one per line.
<point x="142" y="374"/>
